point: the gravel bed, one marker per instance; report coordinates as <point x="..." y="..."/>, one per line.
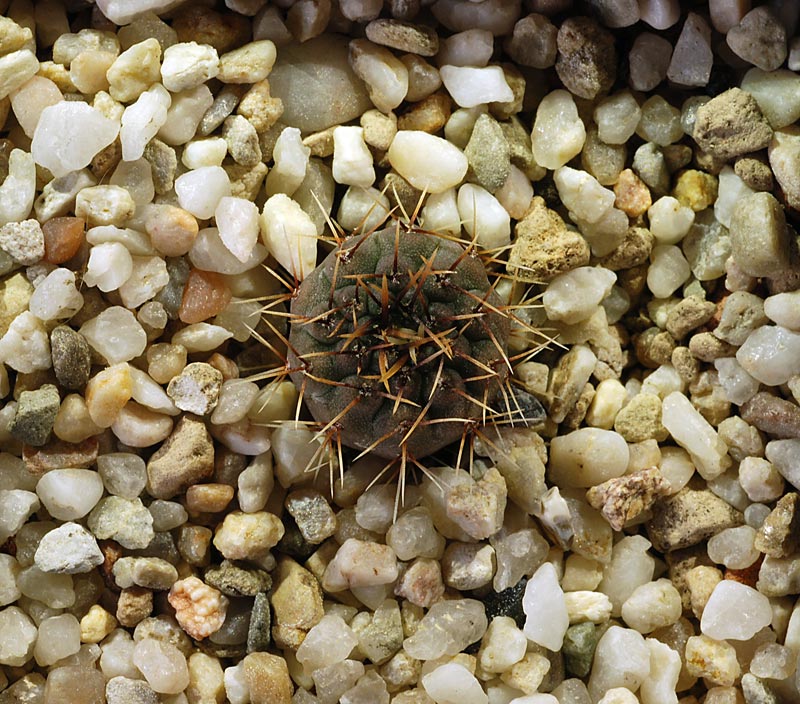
<point x="620" y="177"/>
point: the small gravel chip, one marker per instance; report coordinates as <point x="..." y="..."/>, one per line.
<point x="731" y="124"/>
<point x="148" y="572"/>
<point x="125" y="520"/>
<point x="258" y="633"/>
<point x="122" y="690"/>
<point x="185" y="458"/>
<point x="624" y="498"/>
<point x="199" y="608"/>
<point x="35" y="415"/>
<point x="235" y="581"/>
<point x="68" y="549"/>
<point x="71" y="357"/>
<point x="312" y="513"/>
<point x="23" y="241"/>
<point x="196" y="389"/>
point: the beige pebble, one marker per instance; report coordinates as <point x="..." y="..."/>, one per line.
<point x="96" y="624"/>
<point x="107" y="392"/>
<point x="138" y="426"/>
<point x="172" y="230"/>
<point x="73" y="422"/>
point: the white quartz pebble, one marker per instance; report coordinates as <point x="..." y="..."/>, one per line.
<point x="516" y="193"/>
<point x="188" y="64"/>
<point x="652" y="605"/>
<point x="291" y="161"/>
<point x="668" y="270"/>
<point x="735" y="611"/>
<point x="470" y="86"/>
<point x="352" y="160"/>
<point x="385" y="75"/>
<point x="452" y="683"/>
<point x="28" y="102"/>
<point x="142" y="120"/>
<point x="622" y="659"/>
<point x="440" y="212"/>
<point x="201" y="337"/>
<point x="546" y="617"/>
<point x="162" y="664"/>
<point x="18" y="637"/>
<point x="56" y="296"/>
<point x="738" y="385"/>
<point x="771" y="354"/>
<point x="665" y="667"/>
<point x="582" y="194"/>
<point x="328" y="642"/>
<point x="109" y="266"/>
<point x="26" y="347"/>
<point x="732" y="190"/>
<point x="200" y="191"/>
<point x="558" y="131"/>
<point x="204" y="152"/>
<point x="695" y="434"/>
<point x="617" y="117"/>
<point x="362" y="209"/>
<point x="784" y="309"/>
<point x="69" y="494"/>
<point x="115" y="334"/>
<point x="587" y="457"/>
<point x="237" y="224"/>
<point x="184" y="114"/>
<point x="484" y="219"/>
<point x="68" y="136"/>
<point x="669" y="220"/>
<point x="19" y="188"/>
<point x="427" y="162"/>
<point x="290" y="235"/>
<point x="574" y="295"/>
<point x="776" y="93"/>
<point x="209" y="253"/>
<point x="148" y="276"/>
<point x="59" y="637"/>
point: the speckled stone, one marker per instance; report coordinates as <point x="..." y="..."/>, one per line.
<point x="488" y="154"/>
<point x="258" y="633"/>
<point x="779" y="534"/>
<point x="36" y="413"/>
<point x="580" y="642"/>
<point x="72" y="361"/>
<point x="185" y="458"/>
<point x="235" y="581"/>
<point x="689" y="517"/>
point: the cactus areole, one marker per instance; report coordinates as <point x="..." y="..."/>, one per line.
<point x="398" y="342"/>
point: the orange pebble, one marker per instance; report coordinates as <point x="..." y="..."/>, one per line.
<point x="204" y="295"/>
<point x="63" y="238"/>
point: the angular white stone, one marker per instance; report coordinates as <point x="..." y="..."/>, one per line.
<point x="575" y="295"/>
<point x="452" y="683"/>
<point x="582" y="194"/>
<point x="622" y="659"/>
<point x="201" y="190"/>
<point x="546" y="617"/>
<point x="558" y="131"/>
<point x="617" y="117"/>
<point x="116" y="334"/>
<point x="56" y="296"/>
<point x="26" y="346"/>
<point x="669" y="220"/>
<point x="188" y="64"/>
<point x="695" y="434"/>
<point x="68" y="136"/>
<point x="185" y="113"/>
<point x="69" y="494"/>
<point x="19" y="188"/>
<point x="771" y="354"/>
<point x="237" y="223"/>
<point x="427" y="162"/>
<point x="109" y="266"/>
<point x="291" y="161"/>
<point x="142" y="120"/>
<point x="484" y="219"/>
<point x="735" y="611"/>
<point x="290" y="235"/>
<point x="352" y="160"/>
<point x="470" y="86"/>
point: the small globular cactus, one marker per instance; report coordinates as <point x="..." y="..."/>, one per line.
<point x="398" y="342"/>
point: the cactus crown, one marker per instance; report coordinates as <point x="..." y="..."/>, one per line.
<point x="398" y="342"/>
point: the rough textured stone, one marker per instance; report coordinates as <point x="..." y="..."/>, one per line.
<point x="731" y="125"/>
<point x="587" y="60"/>
<point x="233" y="580"/>
<point x="779" y="534"/>
<point x="689" y="517"/>
<point x="624" y="498"/>
<point x="71" y="357"/>
<point x="185" y="458"/>
<point x="36" y="413"/>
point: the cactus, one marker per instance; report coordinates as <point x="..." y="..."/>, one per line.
<point x="398" y="342"/>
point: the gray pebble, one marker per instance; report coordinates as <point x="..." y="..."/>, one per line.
<point x="72" y="359"/>
<point x="36" y="413"/>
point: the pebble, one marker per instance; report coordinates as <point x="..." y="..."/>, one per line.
<point x="196" y="389"/>
<point x="403" y="36"/>
<point x="68" y="549"/>
<point x="568" y="465"/>
<point x="35" y="415"/>
<point x="776" y="535"/>
<point x="162" y="664"/>
<point x="689" y="517"/>
<point x="23" y="241"/>
<point x="759" y="38"/>
<point x="610" y="671"/>
<point x="768" y="354"/>
<point x="731" y="124"/>
<point x="200" y="190"/>
<point x="759" y="235"/>
<point x="451" y="163"/>
<point x="692" y="57"/>
<point x="199" y="609"/>
<point x="248" y="535"/>
<point x="586" y="62"/>
<point x="735" y="611"/>
<point x="558" y="132"/>
<point x="69" y="494"/>
<point x="122" y="690"/>
<point x="185" y="458"/>
<point x="575" y="295"/>
<point x="623" y="499"/>
<point x="127" y="521"/>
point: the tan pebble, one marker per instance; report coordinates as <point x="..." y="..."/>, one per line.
<point x="165" y="360"/>
<point x="172" y="230"/>
<point x="107" y="392"/>
<point x="696" y="189"/>
<point x="208" y="498"/>
<point x="206" y="679"/>
<point x="73" y="422"/>
<point x="428" y="115"/>
<point x="267" y="679"/>
<point x="224" y="365"/>
<point x="58" y="454"/>
<point x="296" y="603"/>
<point x="624" y="498"/>
<point x="194" y="544"/>
<point x="185" y="458"/>
<point x="134" y="605"/>
<point x="206" y="26"/>
<point x="243" y="536"/>
<point x="632" y="194"/>
<point x="259" y="107"/>
<point x="96" y="624"/>
<point x="88" y="71"/>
